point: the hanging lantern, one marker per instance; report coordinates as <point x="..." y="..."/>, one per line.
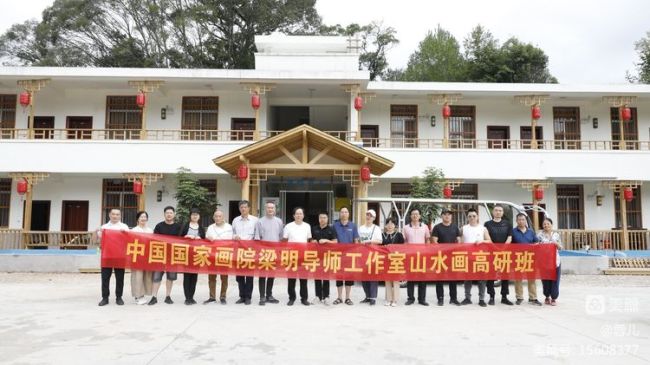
<point x="446" y="192"/>
<point x="22" y="186"/>
<point x="539" y="193"/>
<point x="364" y="174"/>
<point x="446" y="111"/>
<point x="242" y="172"/>
<point x="141" y="99"/>
<point x="358" y="103"/>
<point x="255" y="101"/>
<point x="536" y="112"/>
<point x="25" y="99"/>
<point x="137" y="186"/>
<point x="626" y="113"/>
<point x="628" y="194"/>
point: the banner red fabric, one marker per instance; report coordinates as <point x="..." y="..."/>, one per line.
<point x="485" y="261"/>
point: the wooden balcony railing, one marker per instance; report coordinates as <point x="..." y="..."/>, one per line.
<point x="604" y="240"/>
<point x="14" y="239"/>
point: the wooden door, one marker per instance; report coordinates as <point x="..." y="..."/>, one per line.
<point x="498" y="136"/>
<point x="43" y="127"/>
<point x="79" y="127"/>
<point x="242" y="129"/>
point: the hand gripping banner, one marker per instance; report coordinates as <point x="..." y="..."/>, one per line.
<point x="431" y="262"/>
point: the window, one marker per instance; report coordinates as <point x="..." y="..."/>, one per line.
<point x="463" y="191"/>
<point x="5" y="202"/>
<point x="462" y="126"/>
<point x="243" y="129"/>
<point x="566" y="126"/>
<point x="370" y="135"/>
<point x="123" y="115"/>
<point x="570" y="207"/>
<point x="8" y="111"/>
<point x="211" y="186"/>
<point x="634" y="218"/>
<point x="118" y="193"/>
<point x="200" y="113"/>
<point x="630" y="129"/>
<point x="403" y="125"/>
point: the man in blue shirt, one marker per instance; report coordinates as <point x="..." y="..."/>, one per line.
<point x="524" y="235"/>
<point x="346" y="233"/>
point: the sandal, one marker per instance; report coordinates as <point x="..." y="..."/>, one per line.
<point x="337" y="301"/>
<point x="348" y="302"/>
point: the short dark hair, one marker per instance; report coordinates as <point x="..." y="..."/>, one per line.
<point x="415" y="210"/>
<point x="498" y="206"/>
<point x="324" y="213"/>
<point x="138" y="214"/>
<point x="244" y="202"/>
<point x="195" y="211"/>
<point x="112" y="209"/>
<point x="522" y="215"/>
<point x="169" y="207"/>
<point x="471" y="210"/>
<point x="391" y="220"/>
<point x="296" y="209"/>
<point x="548" y="219"/>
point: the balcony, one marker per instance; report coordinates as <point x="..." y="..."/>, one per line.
<point x="604" y="240"/>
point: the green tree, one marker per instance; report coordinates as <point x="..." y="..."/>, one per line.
<point x="189" y="194"/>
<point x="428" y="186"/>
<point x="437" y="58"/>
<point x="642" y="47"/>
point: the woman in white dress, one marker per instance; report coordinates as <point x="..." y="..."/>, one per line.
<point x="141" y="281"/>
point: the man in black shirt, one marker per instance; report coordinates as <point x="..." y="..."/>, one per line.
<point x="446" y="233"/>
<point x="323" y="233"/>
<point x="500" y="231"/>
<point x="171" y="228"/>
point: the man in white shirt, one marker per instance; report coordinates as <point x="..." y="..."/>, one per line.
<point x="269" y="229"/>
<point x="219" y="230"/>
<point x="116" y="224"/>
<point x="297" y="231"/>
<point x="243" y="228"/>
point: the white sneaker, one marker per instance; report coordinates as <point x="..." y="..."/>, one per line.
<point x="142" y="301"/>
<point x="325" y="301"/>
<point x="393" y="304"/>
<point x="387" y="304"/>
<point x="315" y="301"/>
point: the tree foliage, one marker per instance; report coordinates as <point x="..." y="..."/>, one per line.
<point x="642" y="47"/>
<point x="428" y="186"/>
<point x="189" y="194"/>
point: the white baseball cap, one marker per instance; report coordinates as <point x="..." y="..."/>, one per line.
<point x="372" y="213"/>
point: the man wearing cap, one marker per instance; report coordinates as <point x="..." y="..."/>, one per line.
<point x="370" y="234"/>
<point x="446" y="233"/>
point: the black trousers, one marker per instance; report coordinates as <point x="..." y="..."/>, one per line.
<point x="505" y="288"/>
<point x="245" y="286"/>
<point x="266" y="287"/>
<point x="291" y="289"/>
<point x="422" y="290"/>
<point x="106" y="280"/>
<point x="189" y="285"/>
<point x="322" y="289"/>
<point x="440" y="289"/>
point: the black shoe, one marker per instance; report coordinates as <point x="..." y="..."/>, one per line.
<point x="188" y="302"/>
<point x="409" y="302"/>
<point x="466" y="301"/>
<point x="103" y="302"/>
<point x="247" y="302"/>
<point x="372" y="301"/>
<point x="169" y="300"/>
<point x="211" y="300"/>
<point x="491" y="301"/>
<point x="290" y="302"/>
<point x="441" y="302"/>
<point x="482" y="303"/>
<point x="423" y="303"/>
<point x="365" y="301"/>
<point x="153" y="301"/>
<point x="505" y="301"/>
<point x="262" y="302"/>
<point x="519" y="301"/>
<point x="240" y="301"/>
<point x="193" y="301"/>
<point x="305" y="302"/>
<point x="534" y="302"/>
<point x="119" y="301"/>
<point x="454" y="302"/>
<point x="223" y="301"/>
<point x="272" y="300"/>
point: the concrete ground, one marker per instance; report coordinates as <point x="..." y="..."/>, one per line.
<point x="54" y="319"/>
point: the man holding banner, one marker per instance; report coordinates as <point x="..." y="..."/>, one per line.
<point x="297" y="231"/>
<point x="219" y="230"/>
<point x="268" y="228"/>
<point x="243" y="228"/>
<point x="114" y="223"/>
<point x="416" y="233"/>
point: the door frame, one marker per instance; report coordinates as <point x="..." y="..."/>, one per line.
<point x="63" y="216"/>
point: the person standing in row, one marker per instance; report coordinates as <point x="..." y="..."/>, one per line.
<point x="170" y="228"/>
<point x="416" y="233"/>
<point x="391" y="237"/>
<point x="141" y="281"/>
<point x="192" y="230"/>
<point x="114" y="223"/>
<point x="446" y="233"/>
<point x="524" y="235"/>
<point x="474" y="232"/>
<point x="500" y="231"/>
<point x="268" y="228"/>
<point x="346" y="233"/>
<point x="297" y="231"/>
<point x="322" y="234"/>
<point x="243" y="228"/>
<point x="549" y="236"/>
<point x="370" y="234"/>
<point x="219" y="230"/>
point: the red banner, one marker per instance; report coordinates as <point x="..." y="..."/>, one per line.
<point x="485" y="261"/>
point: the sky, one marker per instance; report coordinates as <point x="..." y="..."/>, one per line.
<point x="587" y="42"/>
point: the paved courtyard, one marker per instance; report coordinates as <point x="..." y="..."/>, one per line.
<point x="54" y="319"/>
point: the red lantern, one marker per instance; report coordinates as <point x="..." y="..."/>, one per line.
<point x="539" y="193"/>
<point x="364" y="174"/>
<point x="626" y="114"/>
<point x="141" y="99"/>
<point x="358" y="103"/>
<point x="446" y="192"/>
<point x="628" y="194"/>
<point x="446" y="111"/>
<point x="137" y="187"/>
<point x="536" y="112"/>
<point x="242" y="172"/>
<point x="255" y="101"/>
<point x="25" y="99"/>
<point x="22" y="186"/>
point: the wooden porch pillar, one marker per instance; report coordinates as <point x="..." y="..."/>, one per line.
<point x="32" y="179"/>
<point x="255" y="193"/>
<point x="625" y="239"/>
<point x="32" y="87"/>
